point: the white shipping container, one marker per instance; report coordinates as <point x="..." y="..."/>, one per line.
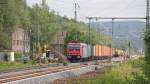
<point x="94" y="52"/>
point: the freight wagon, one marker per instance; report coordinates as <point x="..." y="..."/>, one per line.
<point x="102" y="51"/>
<point x="84" y="52"/>
<point x="119" y="52"/>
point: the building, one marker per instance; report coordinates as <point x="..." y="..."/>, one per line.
<point x="60" y="41"/>
<point x="20" y="41"/>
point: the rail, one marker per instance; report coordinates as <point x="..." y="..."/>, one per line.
<point x="11" y="78"/>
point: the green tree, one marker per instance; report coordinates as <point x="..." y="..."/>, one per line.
<point x="147" y="52"/>
<point x="10" y="18"/>
<point x="3" y="36"/>
<point x="43" y="25"/>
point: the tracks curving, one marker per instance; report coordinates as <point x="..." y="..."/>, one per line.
<point x="10" y="78"/>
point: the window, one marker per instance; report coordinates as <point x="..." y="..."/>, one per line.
<point x="28" y="43"/>
<point x="62" y="34"/>
<point x="14" y="42"/>
<point x="74" y="47"/>
<point x="17" y="42"/>
<point x="23" y="42"/>
<point x="20" y="43"/>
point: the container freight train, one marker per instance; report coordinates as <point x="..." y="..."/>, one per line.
<point x="84" y="52"/>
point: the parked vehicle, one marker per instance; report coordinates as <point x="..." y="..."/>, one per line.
<point x="26" y="59"/>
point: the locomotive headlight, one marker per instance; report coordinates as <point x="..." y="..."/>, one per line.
<point x="78" y="56"/>
<point x="69" y="56"/>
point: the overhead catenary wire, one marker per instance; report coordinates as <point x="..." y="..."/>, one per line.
<point x="121" y="10"/>
<point x="127" y="6"/>
<point x="131" y="5"/>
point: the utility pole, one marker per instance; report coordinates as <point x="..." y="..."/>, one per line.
<point x="147" y="15"/>
<point x="76" y="5"/>
<point x="112" y="27"/>
<point x="90" y="30"/>
<point x="129" y="45"/>
<point x="75" y="12"/>
<point x="112" y="34"/>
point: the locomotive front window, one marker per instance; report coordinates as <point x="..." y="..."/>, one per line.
<point x="71" y="48"/>
<point x="76" y="48"/>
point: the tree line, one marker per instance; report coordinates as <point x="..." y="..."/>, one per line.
<point x="42" y="24"/>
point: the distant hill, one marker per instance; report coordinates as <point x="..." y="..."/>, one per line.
<point x="131" y="30"/>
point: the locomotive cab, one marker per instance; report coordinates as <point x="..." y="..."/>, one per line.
<point x="74" y="51"/>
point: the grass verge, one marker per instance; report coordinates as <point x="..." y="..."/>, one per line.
<point x="13" y="65"/>
<point x="129" y="73"/>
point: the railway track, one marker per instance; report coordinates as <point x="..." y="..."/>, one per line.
<point x="41" y="72"/>
<point x="10" y="78"/>
<point x="28" y="68"/>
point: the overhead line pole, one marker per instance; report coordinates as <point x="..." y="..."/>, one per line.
<point x="75" y="17"/>
<point x="113" y="18"/>
<point x="147" y="18"/>
<point x="112" y="27"/>
<point x="75" y="12"/>
<point x="76" y="5"/>
<point x="112" y="34"/>
<point x="89" y="30"/>
<point x="147" y="15"/>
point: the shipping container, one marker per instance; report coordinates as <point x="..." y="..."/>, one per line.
<point x="94" y="52"/>
<point x="98" y="49"/>
<point x="119" y="52"/>
<point x="87" y="51"/>
<point x="102" y="51"/>
<point x="84" y="51"/>
<point x="89" y="48"/>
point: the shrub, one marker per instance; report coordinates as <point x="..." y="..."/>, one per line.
<point x="130" y="73"/>
<point x="18" y="56"/>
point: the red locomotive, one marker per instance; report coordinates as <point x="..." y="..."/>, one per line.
<point x="75" y="51"/>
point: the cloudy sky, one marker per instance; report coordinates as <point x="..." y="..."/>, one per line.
<point x="102" y="8"/>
